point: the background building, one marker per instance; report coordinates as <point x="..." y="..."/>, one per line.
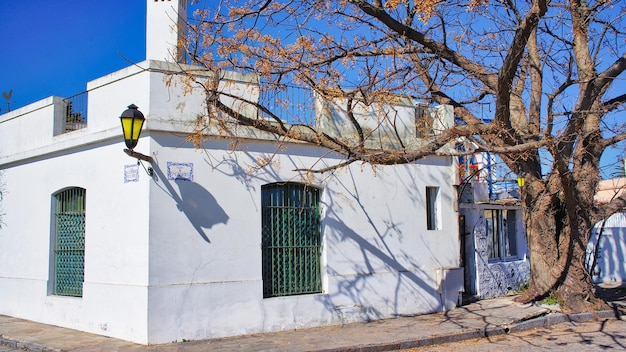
<point x="606" y="251"/>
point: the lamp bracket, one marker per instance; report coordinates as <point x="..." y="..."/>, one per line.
<point x="138" y="156"/>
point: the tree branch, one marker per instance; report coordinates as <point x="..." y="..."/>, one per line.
<point x="478" y="70"/>
<point x="615" y="205"/>
<point x="614" y="102"/>
<point x="512" y="60"/>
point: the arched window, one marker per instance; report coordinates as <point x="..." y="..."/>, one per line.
<point x="291" y="239"/>
<point x="69" y="242"/>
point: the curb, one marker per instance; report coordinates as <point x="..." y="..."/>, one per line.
<point x="488" y="331"/>
<point x="559" y="318"/>
<point x="399" y="345"/>
<point x="26" y="346"/>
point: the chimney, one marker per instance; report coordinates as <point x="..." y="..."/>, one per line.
<point x="165" y="25"/>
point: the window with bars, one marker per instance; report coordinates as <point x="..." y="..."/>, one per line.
<point x="501" y="234"/>
<point x="69" y="242"/>
<point x="291" y="239"/>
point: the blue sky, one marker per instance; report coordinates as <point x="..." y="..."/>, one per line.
<point x="56" y="47"/>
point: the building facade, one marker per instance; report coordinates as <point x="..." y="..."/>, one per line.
<point x="212" y="241"/>
<point x="493" y="239"/>
<point x="606" y="251"/>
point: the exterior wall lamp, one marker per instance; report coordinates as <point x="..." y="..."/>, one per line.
<point x="521" y="181"/>
<point x="132" y="121"/>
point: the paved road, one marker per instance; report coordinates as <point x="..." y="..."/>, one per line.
<point x="591" y="336"/>
<point x="607" y="335"/>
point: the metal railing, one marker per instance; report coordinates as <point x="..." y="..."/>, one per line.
<point x="291" y="104"/>
<point x="76" y="112"/>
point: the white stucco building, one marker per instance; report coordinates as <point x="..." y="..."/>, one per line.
<point x="606" y="250"/>
<point x="608" y="246"/>
<point x="210" y="245"/>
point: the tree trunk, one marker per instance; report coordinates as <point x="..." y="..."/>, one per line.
<point x="557" y="240"/>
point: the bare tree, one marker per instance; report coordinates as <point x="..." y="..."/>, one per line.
<point x="535" y="81"/>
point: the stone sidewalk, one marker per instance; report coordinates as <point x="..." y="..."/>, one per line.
<point x="483" y="318"/>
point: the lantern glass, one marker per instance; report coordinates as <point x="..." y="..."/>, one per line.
<point x="132" y="122"/>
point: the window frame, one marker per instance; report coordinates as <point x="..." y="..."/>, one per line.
<point x="501" y="234"/>
<point x="68" y="242"/>
<point x="291" y="239"/>
<point x="433" y="208"/>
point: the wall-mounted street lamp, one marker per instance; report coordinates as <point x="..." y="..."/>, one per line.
<point x="132" y="121"/>
<point x="521" y="181"/>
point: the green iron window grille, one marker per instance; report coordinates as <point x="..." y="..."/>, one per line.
<point x="291" y="239"/>
<point x="69" y="242"/>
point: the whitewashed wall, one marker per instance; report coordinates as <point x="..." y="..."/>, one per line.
<point x="116" y="248"/>
<point x="28" y="127"/>
<point x="36" y="163"/>
<point x="392" y="125"/>
<point x="205" y="244"/>
<point x="609" y="239"/>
